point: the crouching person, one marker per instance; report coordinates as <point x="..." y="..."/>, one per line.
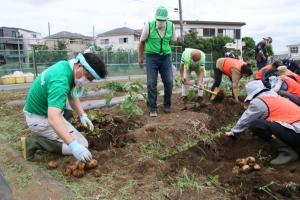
<point x="273" y="118"/>
<point x="192" y="60"/>
<point x="46" y="101"/>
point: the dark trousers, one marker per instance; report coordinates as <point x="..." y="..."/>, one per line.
<point x="265" y="129"/>
<point x="261" y="64"/>
<point x="156" y="63"/>
<point x="292" y="98"/>
<point x="218" y="79"/>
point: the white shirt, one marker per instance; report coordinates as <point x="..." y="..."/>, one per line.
<point x="161" y="28"/>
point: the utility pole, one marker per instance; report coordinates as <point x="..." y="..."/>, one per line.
<point x="181" y="23"/>
<point x="49" y="29"/>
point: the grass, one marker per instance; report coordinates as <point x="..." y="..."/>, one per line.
<point x="185" y="182"/>
<point x="157" y="150"/>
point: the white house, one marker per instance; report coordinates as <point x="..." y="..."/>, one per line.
<point x="119" y="38"/>
<point x="30" y="38"/>
<point x="208" y="29"/>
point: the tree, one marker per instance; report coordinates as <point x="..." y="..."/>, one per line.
<point x="248" y="48"/>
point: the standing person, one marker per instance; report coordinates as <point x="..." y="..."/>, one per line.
<point x="273" y="118"/>
<point x="261" y="54"/>
<point x="155" y="42"/>
<point x="192" y="60"/>
<point x="233" y="68"/>
<point x="46" y="101"/>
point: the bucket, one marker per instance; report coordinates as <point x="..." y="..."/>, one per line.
<point x="8" y="80"/>
<point x="20" y="79"/>
<point x="29" y="79"/>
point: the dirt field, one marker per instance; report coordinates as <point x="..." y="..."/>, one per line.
<point x="181" y="155"/>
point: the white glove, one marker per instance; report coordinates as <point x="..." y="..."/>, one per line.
<point x="80" y="152"/>
<point x="86" y="121"/>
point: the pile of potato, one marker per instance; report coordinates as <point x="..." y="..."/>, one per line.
<point x="78" y="169"/>
<point x="245" y="165"/>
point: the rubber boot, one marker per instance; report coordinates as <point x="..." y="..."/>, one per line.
<point x="31" y="145"/>
<point x="286" y="153"/>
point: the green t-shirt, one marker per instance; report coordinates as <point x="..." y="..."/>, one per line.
<point x="50" y="89"/>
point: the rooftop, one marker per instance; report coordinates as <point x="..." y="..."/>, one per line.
<point x="120" y="31"/>
<point x="68" y="35"/>
<point x="210" y="22"/>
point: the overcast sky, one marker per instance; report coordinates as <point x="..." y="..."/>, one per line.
<point x="279" y="19"/>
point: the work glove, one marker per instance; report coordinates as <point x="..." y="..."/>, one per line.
<point x="86" y="121"/>
<point x="80" y="152"/>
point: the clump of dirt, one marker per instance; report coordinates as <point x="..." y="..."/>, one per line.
<point x="219" y="158"/>
<point x="110" y="130"/>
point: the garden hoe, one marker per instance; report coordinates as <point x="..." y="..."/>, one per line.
<point x="213" y="93"/>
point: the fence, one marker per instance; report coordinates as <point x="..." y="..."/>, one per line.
<point x="36" y="58"/>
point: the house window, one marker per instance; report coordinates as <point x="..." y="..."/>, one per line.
<point x="136" y="38"/>
<point x="220" y="32"/>
<point x="207" y="32"/>
<point x="1" y="33"/>
<point x="14" y="34"/>
<point x="228" y="33"/>
<point x="237" y="34"/>
<point x="123" y="40"/>
<point x="1" y="46"/>
<point x="104" y="41"/>
<point x="294" y="50"/>
<point x="34" y="35"/>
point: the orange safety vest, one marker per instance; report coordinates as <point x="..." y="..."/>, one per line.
<point x="293" y="86"/>
<point x="229" y="63"/>
<point x="281" y="109"/>
<point x="260" y="72"/>
<point x="296" y="76"/>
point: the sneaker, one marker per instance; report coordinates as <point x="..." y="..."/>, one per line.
<point x="153" y="114"/>
<point x="167" y="110"/>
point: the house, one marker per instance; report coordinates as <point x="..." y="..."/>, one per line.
<point x="75" y="42"/>
<point x="208" y="29"/>
<point x="16" y="43"/>
<point x="119" y="38"/>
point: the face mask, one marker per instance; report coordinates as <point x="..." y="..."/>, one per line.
<point x="77" y="91"/>
<point x="161" y="25"/>
<point x="81" y="81"/>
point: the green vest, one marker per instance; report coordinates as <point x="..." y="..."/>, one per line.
<point x="156" y="44"/>
<point x="187" y="59"/>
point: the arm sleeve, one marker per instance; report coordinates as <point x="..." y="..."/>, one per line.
<point x="256" y="110"/>
<point x="145" y="33"/>
<point x="57" y="95"/>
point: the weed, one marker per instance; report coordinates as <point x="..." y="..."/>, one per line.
<point x="212" y="181"/>
<point x="24" y="179"/>
<point x="114" y="86"/>
<point x="185" y="182"/>
<point x="157" y="150"/>
<point x="267" y="190"/>
<point x="262" y="157"/>
<point x="292" y="186"/>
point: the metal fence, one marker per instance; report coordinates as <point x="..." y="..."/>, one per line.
<point x="34" y="59"/>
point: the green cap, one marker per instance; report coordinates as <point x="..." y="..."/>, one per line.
<point x="161" y="13"/>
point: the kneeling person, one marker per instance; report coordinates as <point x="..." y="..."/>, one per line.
<point x="46" y="101"/>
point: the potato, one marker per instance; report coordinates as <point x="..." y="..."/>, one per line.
<point x="246" y="169"/>
<point x="91" y="164"/>
<point x="235" y="170"/>
<point x="67" y="172"/>
<point x="78" y="173"/>
<point x="97" y="173"/>
<point x="241" y="162"/>
<point x="256" y="167"/>
<point x="81" y="165"/>
<point x="52" y="165"/>
<point x="250" y="159"/>
<point x="72" y="167"/>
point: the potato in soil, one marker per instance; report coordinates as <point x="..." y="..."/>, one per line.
<point x="250" y="159"/>
<point x="78" y="173"/>
<point x="52" y="165"/>
<point x="91" y="164"/>
<point x="67" y="172"/>
<point x="97" y="173"/>
<point x="256" y="167"/>
<point x="246" y="169"/>
<point x="81" y="165"/>
<point x="241" y="162"/>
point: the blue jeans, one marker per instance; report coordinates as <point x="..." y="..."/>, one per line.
<point x="261" y="64"/>
<point x="156" y="63"/>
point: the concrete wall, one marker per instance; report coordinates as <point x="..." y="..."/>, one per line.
<point x="132" y="42"/>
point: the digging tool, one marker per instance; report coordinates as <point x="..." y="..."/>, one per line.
<point x="214" y="93"/>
